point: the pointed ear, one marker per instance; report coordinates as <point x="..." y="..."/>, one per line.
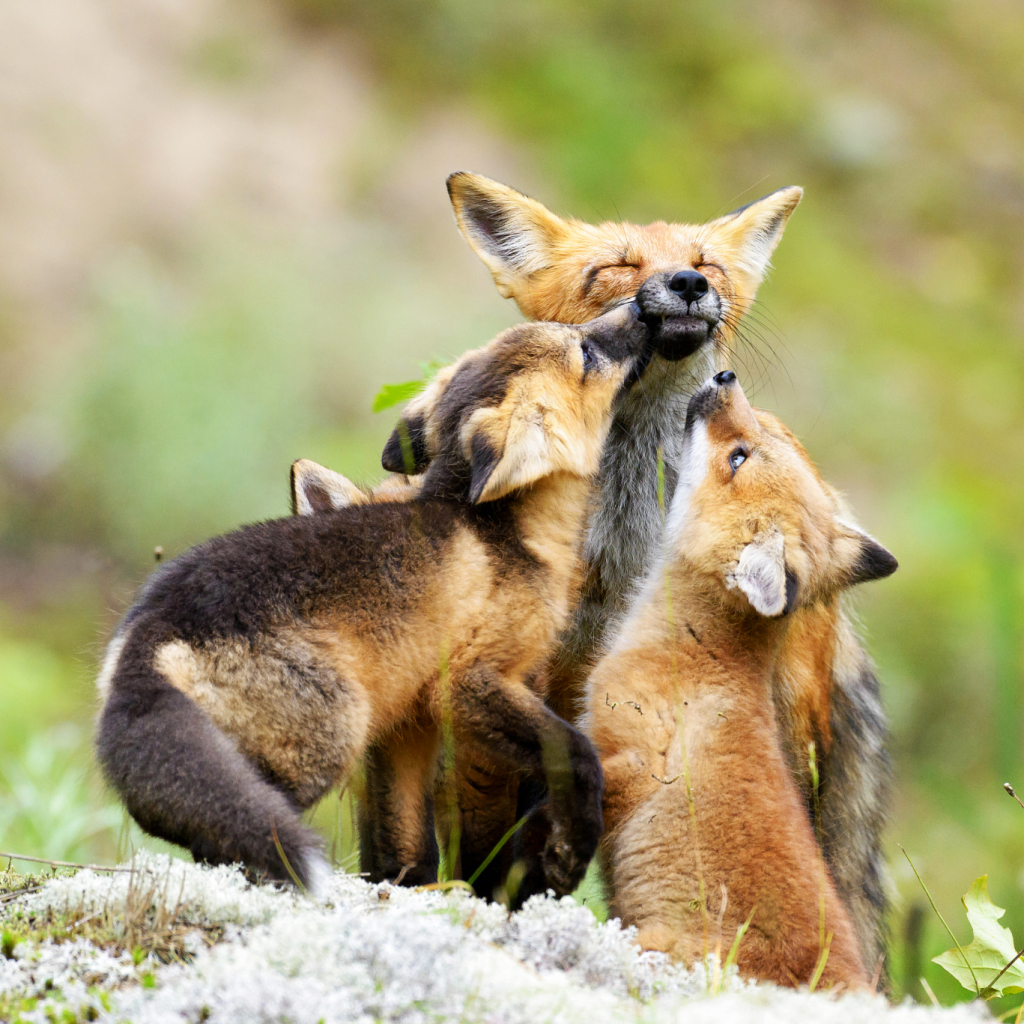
<point x="761" y="575"/>
<point x="513" y="234"/>
<point x="316" y="488"/>
<point x="411" y="445"/>
<point x="406" y="448"/>
<point x="505" y="452"/>
<point x="754" y="230"/>
<point x="861" y="558"/>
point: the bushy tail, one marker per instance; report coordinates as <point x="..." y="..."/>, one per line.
<point x="184" y="780"/>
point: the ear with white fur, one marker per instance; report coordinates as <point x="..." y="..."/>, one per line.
<point x="753" y="231"/>
<point x="505" y="452"/>
<point x="316" y="488"/>
<point x="512" y="233"/>
<point x="761" y="575"/>
<point x="860" y="558"/>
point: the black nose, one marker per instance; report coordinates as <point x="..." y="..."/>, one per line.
<point x="689" y="284"/>
<point x="725" y="377"/>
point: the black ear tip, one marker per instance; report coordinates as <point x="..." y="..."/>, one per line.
<point x="292" y="488"/>
<point x="792" y="587"/>
<point x="391" y="458"/>
<point x="476" y="488"/>
<point x="482" y="460"/>
<point x="406" y="448"/>
<point x="875" y="562"/>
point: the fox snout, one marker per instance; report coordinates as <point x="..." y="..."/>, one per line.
<point x="682" y="310"/>
<point x="712" y="395"/>
<point x="623" y="337"/>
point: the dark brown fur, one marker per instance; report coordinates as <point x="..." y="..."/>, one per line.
<point x="254" y="670"/>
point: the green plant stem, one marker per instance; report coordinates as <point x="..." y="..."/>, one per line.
<point x="60" y="863"/>
<point x="819" y="968"/>
<point x="992" y="984"/>
<point x="959" y="948"/>
<point x="930" y="993"/>
<point x="1012" y="792"/>
<point x="735" y="947"/>
<point x="497" y="848"/>
<point x="284" y="860"/>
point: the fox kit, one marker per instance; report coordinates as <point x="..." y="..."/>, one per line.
<point x="681" y="707"/>
<point x="255" y="669"/>
<point x="705" y="276"/>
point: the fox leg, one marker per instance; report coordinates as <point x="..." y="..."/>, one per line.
<point x="396" y="818"/>
<point x="525" y="736"/>
<point x="185" y="780"/>
<point x="487" y="810"/>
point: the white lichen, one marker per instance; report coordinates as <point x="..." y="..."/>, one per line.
<point x="367" y="953"/>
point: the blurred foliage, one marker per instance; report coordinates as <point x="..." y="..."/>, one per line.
<point x="889" y="337"/>
<point x="48" y="806"/>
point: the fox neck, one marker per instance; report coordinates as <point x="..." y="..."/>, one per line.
<point x="625" y="530"/>
<point x="550" y="516"/>
<point x="713" y="632"/>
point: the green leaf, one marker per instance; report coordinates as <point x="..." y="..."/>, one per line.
<point x="992" y="949"/>
<point x="395" y="394"/>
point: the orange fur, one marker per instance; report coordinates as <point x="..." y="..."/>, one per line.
<point x="566" y="270"/>
<point x="562" y="269"/>
<point x="682" y="707"/>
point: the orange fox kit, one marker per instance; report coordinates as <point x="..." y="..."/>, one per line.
<point x="705" y="277"/>
<point x="681" y="706"/>
<point x="254" y="670"/>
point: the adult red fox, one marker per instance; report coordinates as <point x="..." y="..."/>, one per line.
<point x="705" y="827"/>
<point x="705" y="276"/>
<point x="254" y="670"/>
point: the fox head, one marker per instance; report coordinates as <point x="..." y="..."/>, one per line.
<point x="534" y="402"/>
<point x="751" y="513"/>
<point x="699" y="278"/>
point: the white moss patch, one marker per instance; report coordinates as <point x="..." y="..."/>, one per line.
<point x="378" y="953"/>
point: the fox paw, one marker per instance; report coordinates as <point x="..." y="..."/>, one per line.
<point x="564" y="868"/>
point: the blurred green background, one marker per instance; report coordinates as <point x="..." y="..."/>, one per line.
<point x="224" y="224"/>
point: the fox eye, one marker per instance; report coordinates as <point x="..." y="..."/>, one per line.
<point x="738" y="457"/>
<point x="589" y="358"/>
<point x="594" y="272"/>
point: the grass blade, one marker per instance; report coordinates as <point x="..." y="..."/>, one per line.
<point x="284" y="860"/>
<point x="497" y="848"/>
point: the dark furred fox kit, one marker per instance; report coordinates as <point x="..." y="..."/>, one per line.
<point x="254" y="670"/>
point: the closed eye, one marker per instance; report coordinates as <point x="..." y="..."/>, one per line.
<point x="737" y="458"/>
<point x="705" y="265"/>
<point x="591" y="277"/>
